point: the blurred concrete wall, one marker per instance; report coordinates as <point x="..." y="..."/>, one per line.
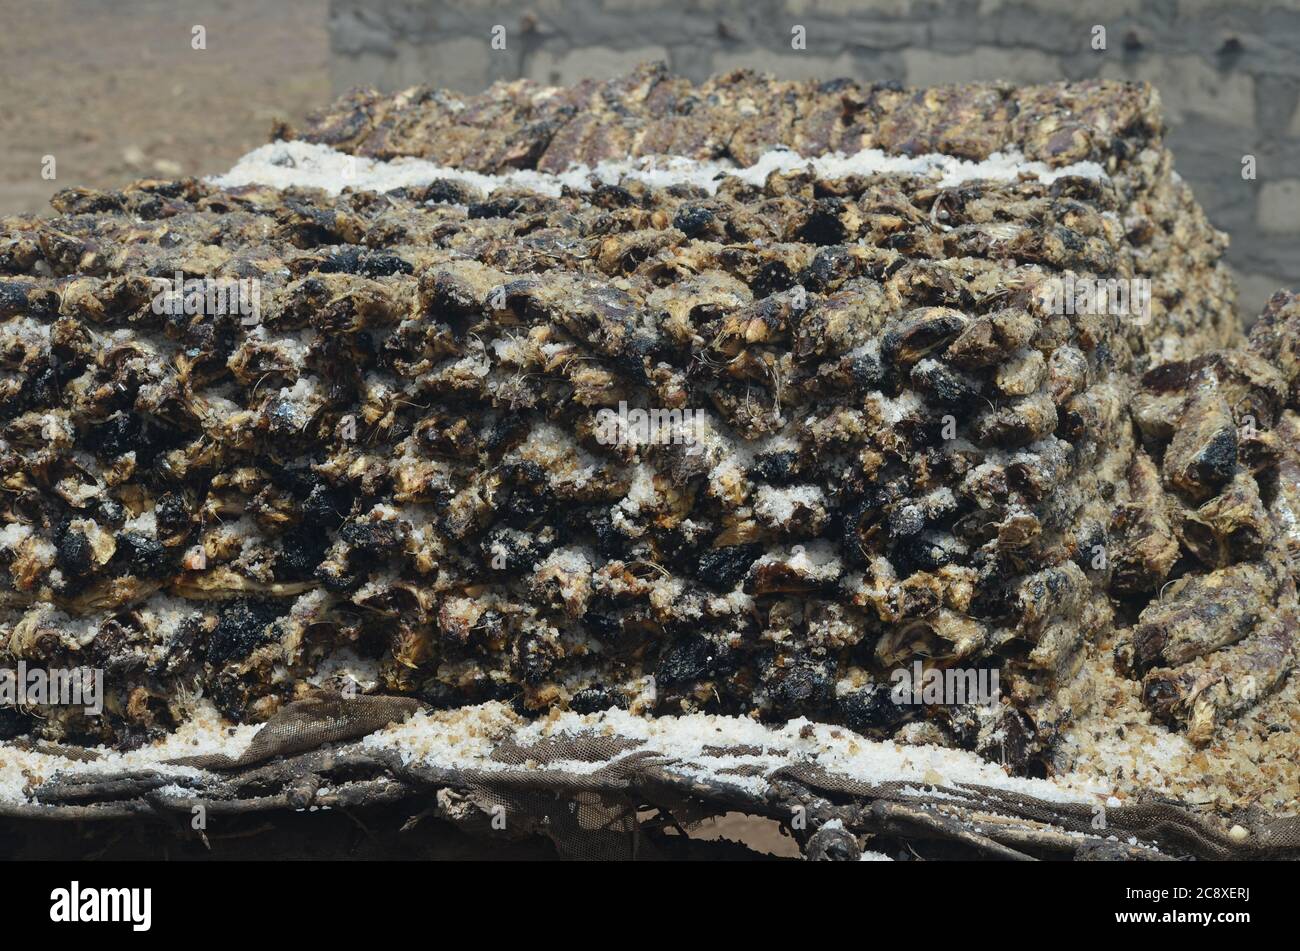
<point x="1228" y="72"/>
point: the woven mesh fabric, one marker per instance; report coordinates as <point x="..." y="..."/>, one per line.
<point x="585" y="817"/>
<point x="584" y="791"/>
<point x="1154" y="821"/>
<point x="306" y="724"/>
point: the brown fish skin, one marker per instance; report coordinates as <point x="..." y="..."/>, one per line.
<point x="1206" y="692"/>
<point x="1200" y="614"/>
<point x="1146" y="547"/>
<point x="1202" y="456"/>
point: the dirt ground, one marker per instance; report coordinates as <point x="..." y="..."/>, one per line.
<point x="114" y="90"/>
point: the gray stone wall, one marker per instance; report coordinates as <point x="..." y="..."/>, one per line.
<point x="1228" y="72"/>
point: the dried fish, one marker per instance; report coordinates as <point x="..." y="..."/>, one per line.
<point x="409" y="462"/>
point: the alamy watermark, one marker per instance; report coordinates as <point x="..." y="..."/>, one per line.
<point x="65" y="687"/>
<point x="86" y="904"/>
<point x="644" y="427"/>
<point x="955" y="686"/>
<point x="1085" y="296"/>
<point x="210" y="296"/>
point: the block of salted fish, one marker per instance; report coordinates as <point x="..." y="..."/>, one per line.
<point x="1202" y="613"/>
<point x="424" y="465"/>
<point x="1284" y="509"/>
<point x="740" y="115"/>
<point x="1220" y="634"/>
<point x="1144" y="544"/>
<point x="1209" y="690"/>
<point x="1275" y="337"/>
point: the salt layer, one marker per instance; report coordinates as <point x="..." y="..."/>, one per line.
<point x="310" y="165"/>
<point x="466" y="737"/>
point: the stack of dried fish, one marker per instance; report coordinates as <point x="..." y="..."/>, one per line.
<point x="739" y="117"/>
<point x="395" y="474"/>
<point x="1212" y="528"/>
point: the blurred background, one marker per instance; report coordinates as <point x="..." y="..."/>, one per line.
<point x="116" y="91"/>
